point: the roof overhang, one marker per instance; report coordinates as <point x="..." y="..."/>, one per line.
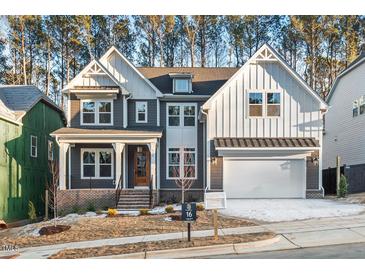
<point x="182" y="75"/>
<point x="75" y="135"/>
<point x="86" y="93"/>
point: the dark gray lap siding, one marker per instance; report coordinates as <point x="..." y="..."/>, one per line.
<point x="76" y="181"/>
<point x="170" y="184"/>
<point x="76" y="112"/>
<point x="151" y="110"/>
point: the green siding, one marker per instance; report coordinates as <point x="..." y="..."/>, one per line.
<point x="23" y="178"/>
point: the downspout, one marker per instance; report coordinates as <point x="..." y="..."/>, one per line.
<point x="125" y="109"/>
<point x="204" y="149"/>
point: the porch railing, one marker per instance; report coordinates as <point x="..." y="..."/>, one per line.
<point x="118" y="191"/>
<point x="151" y="191"/>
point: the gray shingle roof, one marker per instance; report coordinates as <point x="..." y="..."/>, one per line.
<point x="205" y="81"/>
<point x="20" y="99"/>
<point x="98" y="132"/>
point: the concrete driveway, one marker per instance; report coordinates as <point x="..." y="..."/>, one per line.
<point x="278" y="210"/>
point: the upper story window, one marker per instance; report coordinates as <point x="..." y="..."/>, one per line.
<point x="141" y="112"/>
<point x="182" y="85"/>
<point x="33" y="146"/>
<point x="273" y="104"/>
<point x="255" y="104"/>
<point x="261" y="104"/>
<point x="96" y="112"/>
<point x="181" y="115"/>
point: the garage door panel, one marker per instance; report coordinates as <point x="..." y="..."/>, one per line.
<point x="264" y="178"/>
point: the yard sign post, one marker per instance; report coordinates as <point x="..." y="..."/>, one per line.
<point x="215" y="201"/>
<point x="188" y="214"/>
<point x="338" y="174"/>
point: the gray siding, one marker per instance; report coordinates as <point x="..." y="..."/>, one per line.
<point x="312" y="174"/>
<point x="76" y="181"/>
<point x="76" y="112"/>
<point x="151" y="110"/>
<point x="216" y="174"/>
<point x="170" y="184"/>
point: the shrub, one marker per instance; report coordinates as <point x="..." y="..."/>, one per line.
<point x="144" y="211"/>
<point x="342" y="191"/>
<point x="199" y="207"/>
<point x="112" y="212"/>
<point x="76" y="209"/>
<point x="31" y="212"/>
<point x="169" y="209"/>
<point x="91" y="207"/>
<point x="99" y="212"/>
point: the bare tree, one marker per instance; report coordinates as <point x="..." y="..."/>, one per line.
<point x="53" y="187"/>
<point x="186" y="180"/>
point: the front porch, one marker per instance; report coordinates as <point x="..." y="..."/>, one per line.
<point x="108" y="159"/>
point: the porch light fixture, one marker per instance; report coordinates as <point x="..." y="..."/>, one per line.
<point x="214" y="160"/>
<point x="139" y="149"/>
<point x="315" y="160"/>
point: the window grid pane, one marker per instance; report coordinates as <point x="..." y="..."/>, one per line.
<point x="181" y="85"/>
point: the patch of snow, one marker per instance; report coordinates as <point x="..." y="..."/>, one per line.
<point x="129" y="212"/>
<point x="157" y="210"/>
<point x="277" y="210"/>
<point x="167" y="219"/>
<point x="90" y="214"/>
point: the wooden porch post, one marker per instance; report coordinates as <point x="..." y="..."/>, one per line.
<point x="62" y="165"/>
<point x="118" y="148"/>
<point x="152" y="148"/>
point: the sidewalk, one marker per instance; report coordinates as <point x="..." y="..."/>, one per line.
<point x="296" y="234"/>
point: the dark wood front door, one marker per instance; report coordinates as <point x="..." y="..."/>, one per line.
<point x="141" y="166"/>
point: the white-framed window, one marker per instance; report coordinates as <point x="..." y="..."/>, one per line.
<point x="355" y="108"/>
<point x="189" y="116"/>
<point x="273" y="104"/>
<point x="173" y="113"/>
<point x="96" y="112"/>
<point x="264" y="104"/>
<point x="255" y="104"/>
<point x="181" y="114"/>
<point x="50" y="148"/>
<point x="182" y="85"/>
<point x="181" y="163"/>
<point x="97" y="163"/>
<point x="33" y="146"/>
<point x="141" y="112"/>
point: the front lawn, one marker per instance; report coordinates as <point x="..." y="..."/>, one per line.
<point x="100" y="227"/>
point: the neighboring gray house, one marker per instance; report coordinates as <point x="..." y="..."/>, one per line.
<point x="344" y="125"/>
<point x="138" y="128"/>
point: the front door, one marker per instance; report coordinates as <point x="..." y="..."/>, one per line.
<point x="141" y="166"/>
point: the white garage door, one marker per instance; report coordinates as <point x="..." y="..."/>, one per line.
<point x="264" y="178"/>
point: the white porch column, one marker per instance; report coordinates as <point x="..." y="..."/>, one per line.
<point x="118" y="148"/>
<point x="62" y="165"/>
<point x="152" y="148"/>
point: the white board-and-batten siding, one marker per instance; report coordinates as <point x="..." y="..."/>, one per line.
<point x="128" y="77"/>
<point x="300" y="111"/>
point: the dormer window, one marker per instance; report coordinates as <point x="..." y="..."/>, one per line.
<point x="181" y="82"/>
<point x="182" y="85"/>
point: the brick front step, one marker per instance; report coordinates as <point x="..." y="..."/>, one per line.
<point x="134" y="199"/>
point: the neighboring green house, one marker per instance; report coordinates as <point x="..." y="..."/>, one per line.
<point x="27" y="116"/>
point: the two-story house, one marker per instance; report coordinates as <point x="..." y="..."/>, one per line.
<point x="253" y="132"/>
<point x="344" y="130"/>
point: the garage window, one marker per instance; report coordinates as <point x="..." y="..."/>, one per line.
<point x="255" y="104"/>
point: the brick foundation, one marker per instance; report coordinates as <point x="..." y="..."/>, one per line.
<point x="168" y="196"/>
<point x="70" y="199"/>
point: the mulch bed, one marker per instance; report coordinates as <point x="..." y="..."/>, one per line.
<point x="53" y="229"/>
<point x="101" y="228"/>
<point x="160" y="245"/>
